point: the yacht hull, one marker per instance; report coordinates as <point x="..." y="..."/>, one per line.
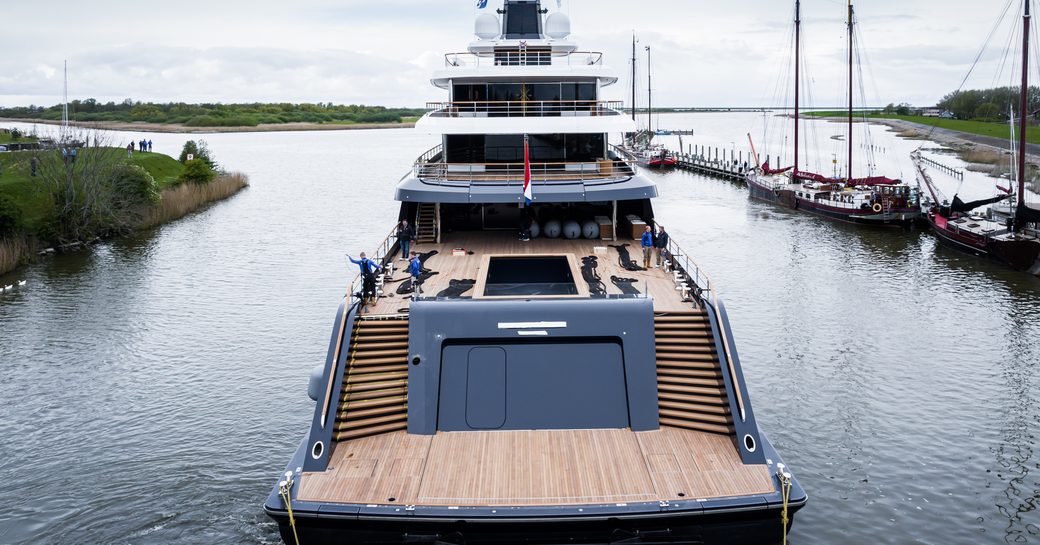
<point x="740" y="520"/>
<point x="787" y="198"/>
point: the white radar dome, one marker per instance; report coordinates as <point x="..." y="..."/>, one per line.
<point x="487" y="26"/>
<point x="558" y="25"/>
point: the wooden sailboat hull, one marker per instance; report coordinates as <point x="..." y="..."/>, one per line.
<point x="1021" y="254"/>
<point x="788" y="199"/>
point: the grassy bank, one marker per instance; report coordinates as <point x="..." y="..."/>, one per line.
<point x="105" y="193"/>
<point x="981" y="128"/>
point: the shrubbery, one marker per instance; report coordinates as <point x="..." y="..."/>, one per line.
<point x="134" y="186"/>
<point x="197" y="171"/>
<point x="10" y="216"/>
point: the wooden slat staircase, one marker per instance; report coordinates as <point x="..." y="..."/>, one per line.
<point x="426" y="226"/>
<point x="690" y="389"/>
<point x="374" y="397"/>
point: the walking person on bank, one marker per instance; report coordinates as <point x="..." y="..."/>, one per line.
<point x="368" y="279"/>
<point x="415" y="269"/>
<point x="647" y="243"/>
<point x="661" y="245"/>
<point x="405" y="236"/>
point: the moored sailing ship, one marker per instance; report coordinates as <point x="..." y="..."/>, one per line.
<point x="872" y="200"/>
<point x="536" y="384"/>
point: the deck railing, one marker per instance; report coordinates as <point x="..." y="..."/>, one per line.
<point x="526" y="108"/>
<point x="523" y="58"/>
<point x="379" y="256"/>
<point x="705" y="290"/>
<point x="512" y="174"/>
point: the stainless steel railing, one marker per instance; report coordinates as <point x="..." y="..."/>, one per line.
<point x="526" y="108"/>
<point x="523" y="58"/>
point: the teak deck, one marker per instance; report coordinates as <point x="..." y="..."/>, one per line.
<point x="530" y="468"/>
<point x="658" y="282"/>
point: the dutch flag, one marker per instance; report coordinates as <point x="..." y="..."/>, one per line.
<point x="528" y="196"/>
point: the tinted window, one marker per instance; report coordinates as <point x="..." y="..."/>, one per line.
<point x="522" y="21"/>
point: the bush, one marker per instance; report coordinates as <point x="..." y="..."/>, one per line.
<point x="197" y="171"/>
<point x="10" y="216"/>
<point x="198" y="150"/>
<point x="133" y="186"/>
<point x="382" y="117"/>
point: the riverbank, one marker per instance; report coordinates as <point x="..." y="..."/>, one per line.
<point x="176" y="128"/>
<point x="175" y="203"/>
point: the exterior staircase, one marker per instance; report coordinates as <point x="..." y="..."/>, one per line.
<point x="690" y="389"/>
<point x="426" y="231"/>
<point x="374" y="396"/>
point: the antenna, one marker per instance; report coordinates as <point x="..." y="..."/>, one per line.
<point x="65" y="103"/>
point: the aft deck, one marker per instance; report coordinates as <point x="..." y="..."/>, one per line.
<point x="657" y="282"/>
<point x="533" y="468"/>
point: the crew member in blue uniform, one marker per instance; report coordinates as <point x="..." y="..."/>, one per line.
<point x="368" y="278"/>
<point x="648" y="246"/>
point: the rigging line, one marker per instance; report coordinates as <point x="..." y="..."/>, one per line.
<point x="975" y="63"/>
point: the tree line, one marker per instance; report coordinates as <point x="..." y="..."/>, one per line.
<point x="989" y="104"/>
<point x="213" y="115"/>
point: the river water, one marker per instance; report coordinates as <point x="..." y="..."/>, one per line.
<point x="154" y="387"/>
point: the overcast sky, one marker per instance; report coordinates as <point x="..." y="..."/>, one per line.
<point x="706" y="53"/>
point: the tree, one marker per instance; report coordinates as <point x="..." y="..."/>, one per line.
<point x="197" y="171"/>
<point x="903" y="109"/>
<point x="987" y="112"/>
<point x="198" y="150"/>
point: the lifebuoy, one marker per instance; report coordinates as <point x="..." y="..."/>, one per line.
<point x="877" y="207"/>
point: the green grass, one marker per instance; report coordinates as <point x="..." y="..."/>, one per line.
<point x="37" y="206"/>
<point x="165" y="169"/>
<point x="981" y="128"/>
<point x="6" y="138"/>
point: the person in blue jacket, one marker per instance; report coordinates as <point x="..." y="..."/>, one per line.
<point x="648" y="246"/>
<point x="415" y="269"/>
<point x="368" y="278"/>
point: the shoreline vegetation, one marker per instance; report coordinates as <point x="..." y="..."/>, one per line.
<point x="141" y="126"/>
<point x="181" y="117"/>
<point x="83" y="191"/>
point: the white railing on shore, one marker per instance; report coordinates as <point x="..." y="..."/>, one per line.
<point x="523" y="58"/>
<point x="705" y="290"/>
<point x="526" y="108"/>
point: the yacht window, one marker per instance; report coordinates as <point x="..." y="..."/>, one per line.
<point x="522" y="20"/>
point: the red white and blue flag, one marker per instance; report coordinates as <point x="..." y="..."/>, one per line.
<point x="528" y="196"/>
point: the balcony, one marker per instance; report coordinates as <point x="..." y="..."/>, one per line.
<point x="432" y="170"/>
<point x="527" y="108"/>
<point x="523" y="58"/>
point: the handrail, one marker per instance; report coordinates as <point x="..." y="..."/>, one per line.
<point x="351" y="300"/>
<point x="533" y="57"/>
<point x="513" y="173"/>
<point x="525" y="108"/>
<point x="708" y="289"/>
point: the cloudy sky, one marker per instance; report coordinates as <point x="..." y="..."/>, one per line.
<point x="706" y="53"/>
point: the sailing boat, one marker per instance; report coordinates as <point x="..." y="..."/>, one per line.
<point x="643" y="150"/>
<point x="1011" y="239"/>
<point x="872" y="200"/>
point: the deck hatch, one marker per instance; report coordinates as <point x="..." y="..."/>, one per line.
<point x="529" y="276"/>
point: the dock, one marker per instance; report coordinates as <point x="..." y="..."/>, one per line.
<point x="713" y="162"/>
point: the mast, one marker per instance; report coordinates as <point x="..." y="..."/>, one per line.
<point x="649" y="95"/>
<point x="65" y="103"/>
<point x="633" y="76"/>
<point x="1023" y="110"/>
<point x="850" y="92"/>
<point x="797" y="78"/>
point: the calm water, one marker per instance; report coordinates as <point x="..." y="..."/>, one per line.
<point x="154" y="387"/>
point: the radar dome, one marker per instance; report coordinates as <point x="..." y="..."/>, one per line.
<point x="558" y="25"/>
<point x="487" y="26"/>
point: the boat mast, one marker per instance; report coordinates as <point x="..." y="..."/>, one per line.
<point x="797" y="78"/>
<point x="850" y="93"/>
<point x="649" y="95"/>
<point x="633" y="76"/>
<point x="1023" y="109"/>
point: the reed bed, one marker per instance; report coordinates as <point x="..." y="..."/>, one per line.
<point x="14" y="250"/>
<point x="186" y="198"/>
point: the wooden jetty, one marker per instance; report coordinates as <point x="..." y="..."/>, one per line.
<point x="713" y="162"/>
<point x="956" y="173"/>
